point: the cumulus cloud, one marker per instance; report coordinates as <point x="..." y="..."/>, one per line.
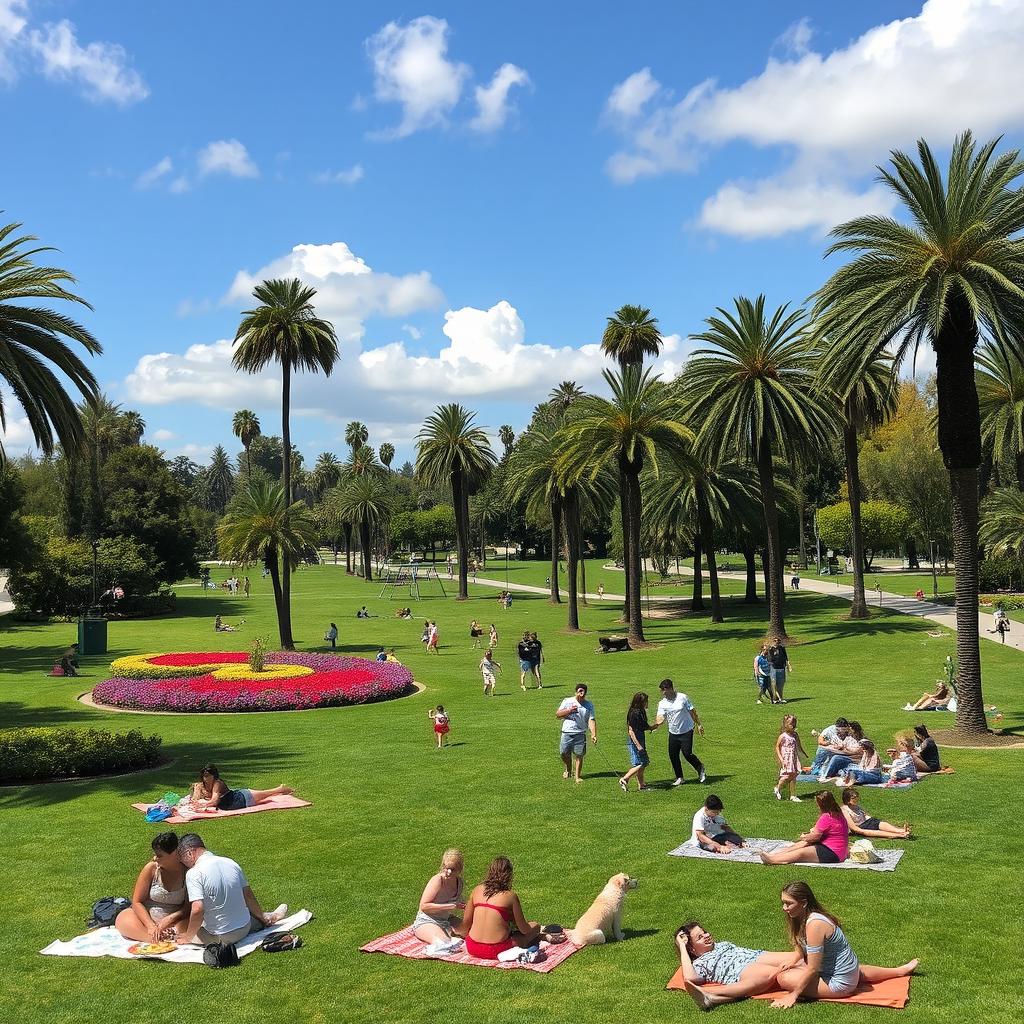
<point x="492" y="101"/>
<point x="954" y="65"/>
<point x="12" y="24"/>
<point x="348" y="176"/>
<point x="796" y="40"/>
<point x="348" y="290"/>
<point x="226" y="156"/>
<point x="629" y="97"/>
<point x="152" y="175"/>
<point x="163" y="434"/>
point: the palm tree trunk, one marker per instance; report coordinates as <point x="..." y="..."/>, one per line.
<point x="697" y="603"/>
<point x="285" y="616"/>
<point x="572" y="529"/>
<point x="707" y="530"/>
<point x="776" y="595"/>
<point x="624" y="515"/>
<point x="348" y="549"/>
<point x="364" y="543"/>
<point x="960" y="442"/>
<point x="275" y="579"/>
<point x="556" y="533"/>
<point x="801" y="512"/>
<point x="461" y="498"/>
<point x="635" y="629"/>
<point x="750" y="557"/>
<point x="859" y="608"/>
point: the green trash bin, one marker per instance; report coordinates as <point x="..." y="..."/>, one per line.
<point x="92" y="636"/>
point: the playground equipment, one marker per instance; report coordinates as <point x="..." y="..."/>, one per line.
<point x="411" y="575"/>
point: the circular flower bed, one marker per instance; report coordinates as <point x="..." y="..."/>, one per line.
<point x="224" y="682"/>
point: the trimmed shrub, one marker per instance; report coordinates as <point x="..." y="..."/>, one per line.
<point x="32" y="755"/>
<point x="1001" y="572"/>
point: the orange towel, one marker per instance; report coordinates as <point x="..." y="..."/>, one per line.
<point x="894" y="993"/>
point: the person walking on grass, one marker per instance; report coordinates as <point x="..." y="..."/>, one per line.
<point x="523" y="650"/>
<point x="677" y="709"/>
<point x="442" y="724"/>
<point x="433" y="638"/>
<point x="577" y="715"/>
<point x="487" y="667"/>
<point x="600" y="591"/>
<point x="637" y="727"/>
<point x="536" y="658"/>
<point x="492" y="637"/>
<point x="779" y="660"/>
<point x="787" y="752"/>
<point x="476" y="631"/>
<point x="763" y="676"/>
<point x="246" y="586"/>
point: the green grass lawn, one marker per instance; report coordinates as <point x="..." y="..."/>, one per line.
<point x="386" y="803"/>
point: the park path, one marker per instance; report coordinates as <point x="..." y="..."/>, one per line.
<point x="6" y="604"/>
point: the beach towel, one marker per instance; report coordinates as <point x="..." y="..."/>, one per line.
<point x="748" y="855"/>
<point x="405" y="944"/>
<point x="109" y="942"/>
<point x="860" y="785"/>
<point x="275" y="803"/>
<point x="894" y="993"/>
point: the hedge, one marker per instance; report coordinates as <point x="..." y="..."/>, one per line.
<point x="32" y="755"/>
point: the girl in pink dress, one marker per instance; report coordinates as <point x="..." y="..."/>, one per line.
<point x="786" y="748"/>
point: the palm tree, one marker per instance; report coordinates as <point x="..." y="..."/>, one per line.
<point x="30" y="341"/>
<point x="953" y="274"/>
<point x="364" y="499"/>
<point x="1000" y="382"/>
<point x="867" y="402"/>
<point x="325" y="475"/>
<point x="258" y="527"/>
<point x="245" y="425"/>
<point x="356" y="435"/>
<point x="1002" y="522"/>
<point x="450" y="450"/>
<point x="632" y="333"/>
<point x="387" y="455"/>
<point x="755" y="394"/>
<point x="565" y="395"/>
<point x="219" y="480"/>
<point x="284" y="328"/>
<point x="102" y="432"/>
<point x="641" y="421"/>
<point x="133" y="426"/>
<point x="506" y="435"/>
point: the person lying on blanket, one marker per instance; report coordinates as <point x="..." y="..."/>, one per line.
<point x="222" y="907"/>
<point x="863" y="825"/>
<point x="822" y="964"/>
<point x="212" y="791"/>
<point x="158" y="900"/>
<point x="827" y="843"/>
<point x="939" y="698"/>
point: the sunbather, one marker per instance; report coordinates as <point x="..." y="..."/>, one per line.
<point x="862" y="825"/>
<point x="934" y="701"/>
<point x="436" y="918"/>
<point x="212" y="791"/>
<point x="158" y="900"/>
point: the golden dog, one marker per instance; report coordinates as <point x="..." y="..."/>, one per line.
<point x="603" y="921"/>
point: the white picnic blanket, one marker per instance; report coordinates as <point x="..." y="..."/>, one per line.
<point x="748" y="855"/>
<point x="109" y="942"/>
<point x="902" y="785"/>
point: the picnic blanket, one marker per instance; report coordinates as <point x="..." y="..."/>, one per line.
<point x="405" y="944"/>
<point x="748" y="855"/>
<point x="109" y="942"/>
<point x="275" y="803"/>
<point x="803" y="777"/>
<point x="894" y="993"/>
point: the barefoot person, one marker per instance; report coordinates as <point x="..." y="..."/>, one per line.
<point x="711" y="832"/>
<point x="577" y="715"/>
<point x="158" y="900"/>
<point x="212" y="791"/>
<point x="829" y="967"/>
<point x="436" y="919"/>
<point x="862" y="825"/>
<point x="827" y="843"/>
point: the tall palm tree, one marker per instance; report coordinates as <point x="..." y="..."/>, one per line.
<point x="219" y="480"/>
<point x="133" y="426"/>
<point x="507" y="436"/>
<point x="565" y="395"/>
<point x="31" y="342"/>
<point x="640" y="421"/>
<point x="364" y="500"/>
<point x="356" y="435"/>
<point x="450" y="450"/>
<point x="1000" y="382"/>
<point x="325" y="475"/>
<point x="102" y="433"/>
<point x="755" y="394"/>
<point x="245" y="425"/>
<point x="285" y="329"/>
<point x="387" y="455"/>
<point x="258" y="527"/>
<point x="953" y="274"/>
<point x="867" y="402"/>
<point x="632" y="333"/>
<point x="1002" y="522"/>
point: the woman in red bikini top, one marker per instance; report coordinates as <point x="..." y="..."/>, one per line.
<point x="494" y="919"/>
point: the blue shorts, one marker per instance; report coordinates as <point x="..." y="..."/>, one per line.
<point x="574" y="741"/>
<point x="235" y="800"/>
<point x="525" y="665"/>
<point x="637" y="756"/>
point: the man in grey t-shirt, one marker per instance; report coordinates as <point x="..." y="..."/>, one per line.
<point x="577" y="715"/>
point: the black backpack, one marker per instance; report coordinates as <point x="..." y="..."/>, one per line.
<point x="220" y="954"/>
<point x="105" y="911"/>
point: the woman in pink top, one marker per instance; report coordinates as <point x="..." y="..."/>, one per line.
<point x="827" y="843"/>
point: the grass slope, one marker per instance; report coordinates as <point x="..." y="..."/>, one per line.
<point x="386" y="804"/>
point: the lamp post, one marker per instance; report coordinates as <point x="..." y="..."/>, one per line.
<point x="817" y="541"/>
<point x="935" y="577"/>
<point x="506" y="562"/>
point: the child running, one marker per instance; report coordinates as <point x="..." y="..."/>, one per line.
<point x="440" y="719"/>
<point x="862" y="825"/>
<point x="487" y="667"/>
<point x="492" y="639"/>
<point x="786" y="748"/>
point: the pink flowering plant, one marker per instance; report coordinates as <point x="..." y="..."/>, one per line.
<point x="290" y="681"/>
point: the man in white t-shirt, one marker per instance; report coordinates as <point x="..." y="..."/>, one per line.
<point x="711" y="831"/>
<point x="677" y="709"/>
<point x="831" y="740"/>
<point x="577" y="715"/>
<point x="223" y="907"/>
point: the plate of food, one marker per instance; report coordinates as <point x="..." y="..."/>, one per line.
<point x="152" y="948"/>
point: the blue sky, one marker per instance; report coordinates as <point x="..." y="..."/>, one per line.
<point x="474" y="188"/>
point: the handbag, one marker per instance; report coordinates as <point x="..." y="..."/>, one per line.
<point x="220" y="954"/>
<point x="863" y="852"/>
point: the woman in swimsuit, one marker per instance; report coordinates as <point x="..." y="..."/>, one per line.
<point x="829" y="966"/>
<point x="159" y="900"/>
<point x="494" y="919"/>
<point x="436" y="919"/>
<point x="211" y="791"/>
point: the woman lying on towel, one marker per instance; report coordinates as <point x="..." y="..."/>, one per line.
<point x="932" y="701"/>
<point x="494" y="919"/>
<point x="159" y="900"/>
<point x="212" y="791"/>
<point x="827" y="843"/>
<point x="822" y="965"/>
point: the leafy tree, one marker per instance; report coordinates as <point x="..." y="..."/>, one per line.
<point x="632" y="333"/>
<point x="184" y="471"/>
<point x="285" y="329"/>
<point x="245" y="425"/>
<point x="17" y="547"/>
<point x="31" y="345"/>
<point x="407" y="470"/>
<point x="883" y="526"/>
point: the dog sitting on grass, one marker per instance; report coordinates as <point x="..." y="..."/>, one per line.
<point x="603" y="921"/>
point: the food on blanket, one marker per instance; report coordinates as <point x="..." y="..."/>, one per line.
<point x="152" y="948"/>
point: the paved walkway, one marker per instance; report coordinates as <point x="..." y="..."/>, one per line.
<point x="6" y="604"/>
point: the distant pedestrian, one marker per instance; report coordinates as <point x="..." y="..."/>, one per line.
<point x="795" y="581"/>
<point x="577" y="716"/>
<point x="476" y="631"/>
<point x="432" y="638"/>
<point x="487" y="667"/>
<point x="779" y="659"/>
<point x="245" y="586"/>
<point x="637" y="727"/>
<point x="1002" y="627"/>
<point x="331" y="636"/>
<point x="763" y="675"/>
<point x="536" y="658"/>
<point x="492" y="639"/>
<point x="442" y="727"/>
<point x="525" y="663"/>
<point x="600" y="591"/>
<point x="677" y="709"/>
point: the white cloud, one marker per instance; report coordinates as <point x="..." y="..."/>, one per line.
<point x="163" y="435"/>
<point x="411" y="67"/>
<point x="12" y="24"/>
<point x="179" y="185"/>
<point x="954" y="65"/>
<point x="492" y="101"/>
<point x="100" y="68"/>
<point x="346" y="177"/>
<point x="154" y="174"/>
<point x="226" y="156"/>
<point x="348" y="290"/>
<point x="629" y="97"/>
<point x="796" y="40"/>
<point x="414" y="332"/>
